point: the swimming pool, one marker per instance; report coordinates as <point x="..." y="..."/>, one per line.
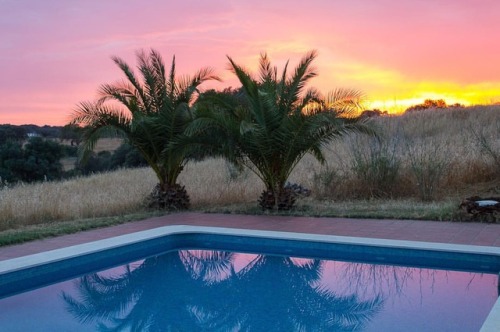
<point x="19" y="275"/>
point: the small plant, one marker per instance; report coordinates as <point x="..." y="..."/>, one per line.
<point x="375" y="163"/>
<point x="326" y="181"/>
<point x="488" y="145"/>
<point x="429" y="163"/>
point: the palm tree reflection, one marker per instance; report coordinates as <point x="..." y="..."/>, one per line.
<point x="201" y="290"/>
<point x="283" y="294"/>
<point x="163" y="293"/>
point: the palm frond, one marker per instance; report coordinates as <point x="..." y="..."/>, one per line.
<point x="303" y="73"/>
<point x="346" y="102"/>
<point x="172" y="88"/>
<point x="129" y="73"/>
<point x="268" y="73"/>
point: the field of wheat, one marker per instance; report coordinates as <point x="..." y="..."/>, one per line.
<point x="429" y="155"/>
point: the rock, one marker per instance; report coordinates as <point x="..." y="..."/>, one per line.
<point x="299" y="190"/>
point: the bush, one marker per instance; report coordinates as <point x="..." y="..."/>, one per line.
<point x="11" y="160"/>
<point x="38" y="160"/>
<point x="126" y="156"/>
<point x="95" y="163"/>
<point x="429" y="163"/>
<point x="375" y="164"/>
<point x="11" y="133"/>
<point x="488" y="145"/>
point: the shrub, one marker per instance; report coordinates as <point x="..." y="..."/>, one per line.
<point x="38" y="160"/>
<point x="488" y="144"/>
<point x="429" y="163"/>
<point x="375" y="164"/>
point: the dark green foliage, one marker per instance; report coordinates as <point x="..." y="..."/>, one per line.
<point x="11" y="160"/>
<point x="42" y="159"/>
<point x="37" y="161"/>
<point x="95" y="163"/>
<point x="10" y="132"/>
<point x="126" y="156"/>
<point x="73" y="133"/>
<point x="70" y="151"/>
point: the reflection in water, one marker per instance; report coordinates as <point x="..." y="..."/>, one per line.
<point x="369" y="279"/>
<point x="163" y="293"/>
<point x="202" y="290"/>
<point x="282" y="294"/>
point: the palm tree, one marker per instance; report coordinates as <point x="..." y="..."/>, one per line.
<point x="278" y="122"/>
<point x="151" y="113"/>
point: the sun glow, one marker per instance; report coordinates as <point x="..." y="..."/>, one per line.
<point x="399" y="104"/>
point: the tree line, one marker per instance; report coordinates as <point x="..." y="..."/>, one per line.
<point x="29" y="158"/>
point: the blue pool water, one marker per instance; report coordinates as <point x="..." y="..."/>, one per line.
<point x="316" y="287"/>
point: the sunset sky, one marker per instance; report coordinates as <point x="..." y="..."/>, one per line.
<point x="55" y="53"/>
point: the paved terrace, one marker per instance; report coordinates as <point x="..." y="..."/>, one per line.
<point x="412" y="230"/>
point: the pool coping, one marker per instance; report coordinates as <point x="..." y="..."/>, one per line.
<point x="31" y="261"/>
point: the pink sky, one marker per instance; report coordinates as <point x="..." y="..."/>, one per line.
<point x="54" y="54"/>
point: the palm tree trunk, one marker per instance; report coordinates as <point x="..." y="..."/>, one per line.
<point x="279" y="198"/>
<point x="168" y="197"/>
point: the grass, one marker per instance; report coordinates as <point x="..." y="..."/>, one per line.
<point x="373" y="209"/>
<point x="101" y="195"/>
<point x="41" y="231"/>
<point x="422" y="166"/>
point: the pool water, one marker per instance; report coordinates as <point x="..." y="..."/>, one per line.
<point x="206" y="290"/>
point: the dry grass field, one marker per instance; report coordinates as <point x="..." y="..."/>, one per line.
<point x="108" y="144"/>
<point x="428" y="156"/>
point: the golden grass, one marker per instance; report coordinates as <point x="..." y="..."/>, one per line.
<point x="209" y="183"/>
<point x="450" y="136"/>
<point x="422" y="141"/>
<point x="96" y="196"/>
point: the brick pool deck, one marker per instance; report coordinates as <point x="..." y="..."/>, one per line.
<point x="412" y="230"/>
